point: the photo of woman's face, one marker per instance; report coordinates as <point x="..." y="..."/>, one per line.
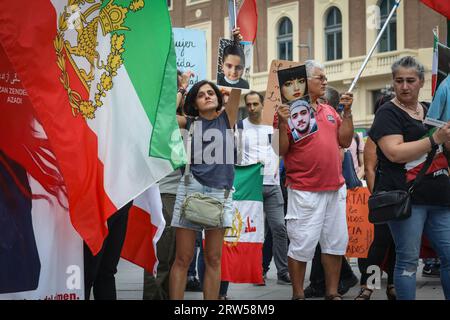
<point x="232" y="67"/>
<point x="293" y="89"/>
<point x="301" y="117"/>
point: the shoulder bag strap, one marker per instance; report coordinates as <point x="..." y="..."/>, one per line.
<point x="422" y="171"/>
<point x="189" y="152"/>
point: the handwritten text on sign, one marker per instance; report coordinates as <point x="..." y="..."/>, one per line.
<point x="360" y="230"/>
<point x="190" y="48"/>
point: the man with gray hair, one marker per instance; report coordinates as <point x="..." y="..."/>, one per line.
<point x="316" y="210"/>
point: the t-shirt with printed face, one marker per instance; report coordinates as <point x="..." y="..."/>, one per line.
<point x="434" y="189"/>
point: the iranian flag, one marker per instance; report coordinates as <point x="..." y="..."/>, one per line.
<point x="435" y="66"/>
<point x="101" y="77"/>
<point x="242" y="249"/>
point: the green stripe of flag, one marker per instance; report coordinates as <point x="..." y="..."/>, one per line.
<point x="248" y="183"/>
<point x="150" y="61"/>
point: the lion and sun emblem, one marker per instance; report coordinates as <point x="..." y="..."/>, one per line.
<point x="86" y="17"/>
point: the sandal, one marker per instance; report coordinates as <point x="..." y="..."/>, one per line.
<point x="390" y="292"/>
<point x="336" y="296"/>
<point x="364" y="294"/>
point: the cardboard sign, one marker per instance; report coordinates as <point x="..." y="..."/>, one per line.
<point x="273" y="96"/>
<point x="360" y="230"/>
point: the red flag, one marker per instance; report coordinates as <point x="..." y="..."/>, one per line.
<point x="247" y="20"/>
<point x="441" y="6"/>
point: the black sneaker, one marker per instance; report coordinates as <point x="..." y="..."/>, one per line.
<point x="284" y="279"/>
<point x="431" y="271"/>
<point x="193" y="285"/>
<point x="346" y="284"/>
<point x="312" y="292"/>
<point x="264" y="281"/>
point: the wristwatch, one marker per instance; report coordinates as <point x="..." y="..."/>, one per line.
<point x="182" y="91"/>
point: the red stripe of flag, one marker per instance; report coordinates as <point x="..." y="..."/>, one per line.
<point x="235" y="270"/>
<point x="27" y="34"/>
<point x="247" y="20"/>
<point x="441" y="6"/>
<point x="138" y="245"/>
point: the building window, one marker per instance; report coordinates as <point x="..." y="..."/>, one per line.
<point x="333" y="34"/>
<point x="284" y="39"/>
<point x="388" y="41"/>
<point x="192" y="2"/>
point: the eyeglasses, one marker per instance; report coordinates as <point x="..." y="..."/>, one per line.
<point x="321" y="78"/>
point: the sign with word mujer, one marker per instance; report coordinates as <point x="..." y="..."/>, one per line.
<point x="190" y="48"/>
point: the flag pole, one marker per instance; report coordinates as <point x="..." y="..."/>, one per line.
<point x="448" y="32"/>
<point x="397" y="3"/>
<point x="363" y="66"/>
<point x="235" y="14"/>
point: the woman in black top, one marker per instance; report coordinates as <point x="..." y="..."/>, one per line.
<point x="403" y="142"/>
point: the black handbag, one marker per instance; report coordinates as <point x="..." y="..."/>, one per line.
<point x="348" y="171"/>
<point x="385" y="206"/>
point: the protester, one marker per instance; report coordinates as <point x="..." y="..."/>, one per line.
<point x="347" y="279"/>
<point x="214" y="179"/>
<point x="157" y="288"/>
<point x="255" y="145"/>
<point x="382" y="250"/>
<point x="357" y="151"/>
<point x="223" y="289"/>
<point x="99" y="270"/>
<point x="316" y="203"/>
<point x="403" y="144"/>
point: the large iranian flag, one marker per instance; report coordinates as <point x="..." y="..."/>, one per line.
<point x="242" y="249"/>
<point x="101" y="77"/>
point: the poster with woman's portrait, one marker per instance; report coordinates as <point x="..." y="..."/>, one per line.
<point x="302" y="121"/>
<point x="272" y="99"/>
<point x="234" y="64"/>
<point x="293" y="83"/>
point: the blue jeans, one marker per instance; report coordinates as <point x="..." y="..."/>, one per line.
<point x="407" y="235"/>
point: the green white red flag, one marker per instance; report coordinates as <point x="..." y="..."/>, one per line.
<point x="242" y="249"/>
<point x="101" y="77"/>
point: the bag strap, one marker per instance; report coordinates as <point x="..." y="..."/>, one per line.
<point x="422" y="171"/>
<point x="189" y="153"/>
<point x="188" y="164"/>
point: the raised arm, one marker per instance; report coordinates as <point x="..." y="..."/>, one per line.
<point x="280" y="141"/>
<point x="346" y="129"/>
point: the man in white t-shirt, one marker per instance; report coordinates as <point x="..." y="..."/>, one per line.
<point x="255" y="146"/>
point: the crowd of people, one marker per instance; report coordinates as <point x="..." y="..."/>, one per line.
<point x="304" y="192"/>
